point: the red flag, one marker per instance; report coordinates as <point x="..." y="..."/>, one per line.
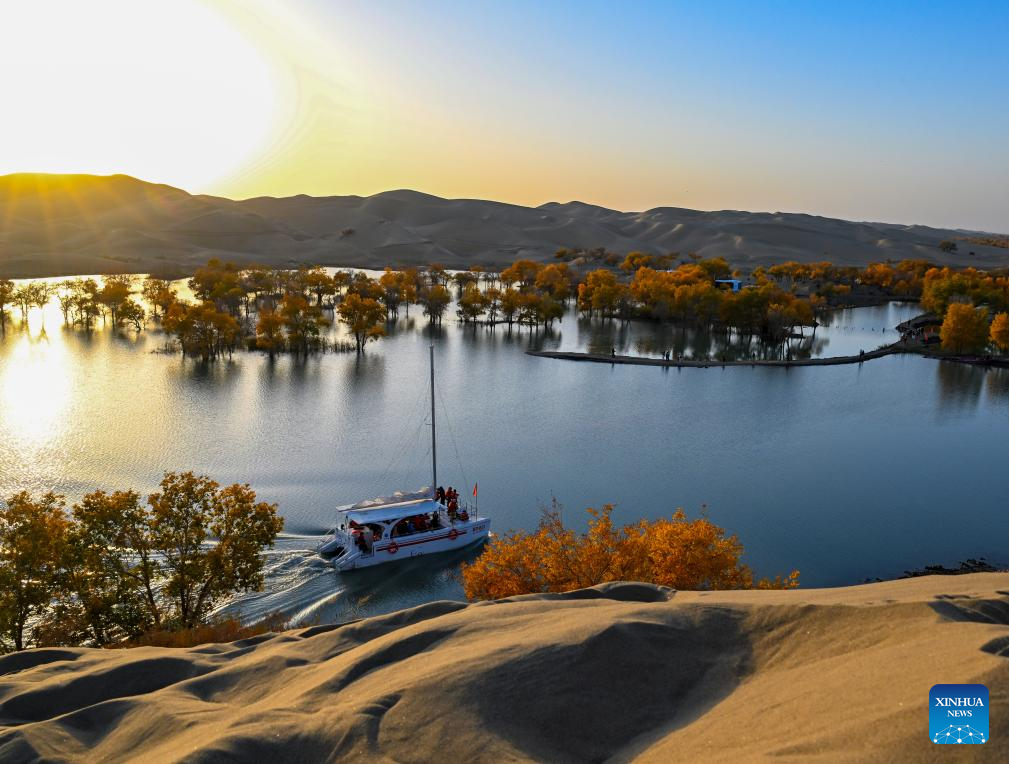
<point x="474" y="488"/>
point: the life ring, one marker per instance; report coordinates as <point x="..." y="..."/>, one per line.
<point x="453" y="534"/>
<point x="392" y="548"/>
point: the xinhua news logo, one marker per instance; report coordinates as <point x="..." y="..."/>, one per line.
<point x="958" y="714"/>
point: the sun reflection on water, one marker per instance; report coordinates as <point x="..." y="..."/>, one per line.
<point x="35" y="382"/>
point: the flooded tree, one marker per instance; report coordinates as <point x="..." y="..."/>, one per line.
<point x="270" y="332"/>
<point x="364" y="317"/>
<point x="435" y="300"/>
<point x="6" y="298"/>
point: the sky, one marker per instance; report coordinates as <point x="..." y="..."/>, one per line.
<point x="872" y="111"/>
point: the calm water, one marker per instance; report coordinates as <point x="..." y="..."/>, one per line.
<point x="843" y="472"/>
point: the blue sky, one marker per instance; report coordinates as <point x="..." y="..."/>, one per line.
<point x="884" y="111"/>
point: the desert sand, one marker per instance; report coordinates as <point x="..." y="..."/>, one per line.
<point x="620" y="672"/>
<point x="52" y="225"/>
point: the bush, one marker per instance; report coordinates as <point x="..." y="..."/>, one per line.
<point x="674" y="551"/>
<point x="224" y="629"/>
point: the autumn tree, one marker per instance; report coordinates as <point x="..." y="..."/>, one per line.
<point x="675" y="551"/>
<point x="188" y="512"/>
<point x="521" y="272"/>
<point x="270" y="332"/>
<point x="965" y="328"/>
<point x="304" y="323"/>
<point x="510" y="303"/>
<point x="393" y="290"/>
<point x="158" y="293"/>
<point x="203" y="331"/>
<point x="111" y="576"/>
<point x="472" y="303"/>
<point x="113" y="295"/>
<point x="319" y="283"/>
<point x="6" y="298"/>
<point x="131" y="313"/>
<point x="600" y="293"/>
<point x="364" y="318"/>
<point x="556" y="281"/>
<point x="33" y="556"/>
<point x="25" y="296"/>
<point x="219" y="283"/>
<point x="435" y="300"/>
<point x="999" y="332"/>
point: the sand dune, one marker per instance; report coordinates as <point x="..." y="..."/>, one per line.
<point x="621" y="672"/>
<point x="59" y="224"/>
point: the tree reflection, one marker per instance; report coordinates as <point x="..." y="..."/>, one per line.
<point x="959" y="385"/>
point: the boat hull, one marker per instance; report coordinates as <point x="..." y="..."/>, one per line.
<point x="448" y="539"/>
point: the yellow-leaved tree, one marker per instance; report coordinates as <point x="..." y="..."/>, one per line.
<point x="965" y="328"/>
<point x="999" y="333"/>
<point x="674" y="551"/>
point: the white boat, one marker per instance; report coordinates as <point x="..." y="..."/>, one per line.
<point x="373" y="532"/>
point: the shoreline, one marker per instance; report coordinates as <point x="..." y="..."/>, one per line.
<point x="895" y="348"/>
<point x="697" y="363"/>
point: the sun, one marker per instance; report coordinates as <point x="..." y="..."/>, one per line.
<point x="166" y="90"/>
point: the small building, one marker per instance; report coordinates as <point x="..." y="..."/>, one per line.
<point x="733" y="285"/>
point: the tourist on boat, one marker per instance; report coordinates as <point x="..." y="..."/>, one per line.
<point x="439" y="495"/>
<point x="435" y="521"/>
<point x="464" y="515"/>
<point x="453" y="508"/>
<point x="420" y="523"/>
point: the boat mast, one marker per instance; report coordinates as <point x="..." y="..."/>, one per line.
<point x="434" y="441"/>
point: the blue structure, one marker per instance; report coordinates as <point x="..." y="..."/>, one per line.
<point x="734" y="284"/>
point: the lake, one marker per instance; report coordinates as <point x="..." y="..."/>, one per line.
<point x="846" y="472"/>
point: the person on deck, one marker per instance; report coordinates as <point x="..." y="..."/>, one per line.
<point x="439" y="495"/>
<point x="435" y="521"/>
<point x="453" y="508"/>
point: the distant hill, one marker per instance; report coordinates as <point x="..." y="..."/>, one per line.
<point x="66" y="224"/>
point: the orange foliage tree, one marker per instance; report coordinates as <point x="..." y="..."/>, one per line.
<point x="674" y="551"/>
<point x="965" y="328"/>
<point x="999" y="332"/>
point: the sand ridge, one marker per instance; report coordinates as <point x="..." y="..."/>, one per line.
<point x="620" y="672"/>
<point x="65" y="224"/>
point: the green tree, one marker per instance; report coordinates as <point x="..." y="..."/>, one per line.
<point x="364" y="318"/>
<point x="33" y="556"/>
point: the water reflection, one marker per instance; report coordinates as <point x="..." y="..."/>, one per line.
<point x="998" y="384"/>
<point x="960" y="385"/>
<point x="796" y="462"/>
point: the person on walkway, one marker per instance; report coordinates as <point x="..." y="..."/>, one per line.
<point x="613" y="352"/>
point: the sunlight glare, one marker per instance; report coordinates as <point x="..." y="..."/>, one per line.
<point x="167" y="90"/>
